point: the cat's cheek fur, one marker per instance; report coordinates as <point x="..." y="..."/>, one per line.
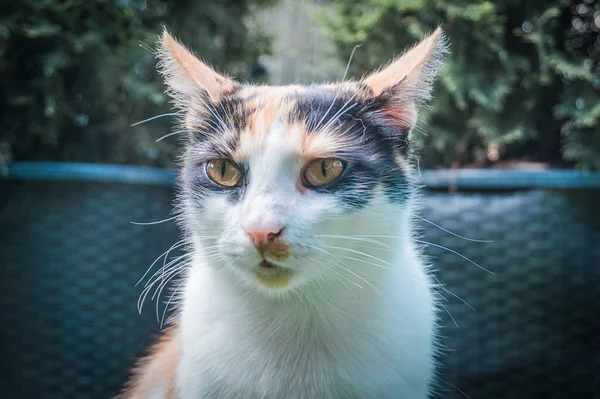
<point x="305" y="217"/>
<point x="373" y="343"/>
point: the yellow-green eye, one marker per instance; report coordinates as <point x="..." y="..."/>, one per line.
<point x="321" y="172"/>
<point x="223" y="172"/>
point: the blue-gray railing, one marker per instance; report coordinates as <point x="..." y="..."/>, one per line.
<point x="435" y="179"/>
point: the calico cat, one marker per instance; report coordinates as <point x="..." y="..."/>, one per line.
<point x="305" y="281"/>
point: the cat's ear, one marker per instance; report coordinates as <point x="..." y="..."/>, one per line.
<point x="185" y="74"/>
<point x="408" y="80"/>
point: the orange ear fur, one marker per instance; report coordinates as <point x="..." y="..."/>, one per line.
<point x="184" y="73"/>
<point x="409" y="79"/>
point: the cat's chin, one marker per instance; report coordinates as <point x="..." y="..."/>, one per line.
<point x="273" y="276"/>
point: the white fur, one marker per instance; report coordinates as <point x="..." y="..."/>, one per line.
<point x="343" y="328"/>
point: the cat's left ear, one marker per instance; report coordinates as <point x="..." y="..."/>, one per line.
<point x="186" y="75"/>
<point x="408" y="81"/>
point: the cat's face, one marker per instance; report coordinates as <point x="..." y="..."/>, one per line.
<point x="284" y="185"/>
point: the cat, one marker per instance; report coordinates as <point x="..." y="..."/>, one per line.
<point x="298" y="201"/>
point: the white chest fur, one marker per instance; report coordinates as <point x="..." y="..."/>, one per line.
<point x="332" y="340"/>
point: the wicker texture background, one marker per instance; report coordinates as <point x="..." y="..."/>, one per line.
<point x="70" y="260"/>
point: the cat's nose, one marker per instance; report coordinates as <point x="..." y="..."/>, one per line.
<point x="268" y="240"/>
<point x="265" y="235"/>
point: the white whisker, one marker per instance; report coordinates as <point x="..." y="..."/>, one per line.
<point x="354" y="238"/>
<point x="341" y="263"/>
<point x="160" y="288"/>
<point x="176" y="245"/>
<point x="169" y="302"/>
<point x="449" y="314"/>
<point x="179" y="132"/>
<point x="449" y="232"/>
<point x="456" y="253"/>
<point x="151" y="223"/>
<point x="449" y="292"/>
<point x="354" y="251"/>
<point x="157" y="117"/>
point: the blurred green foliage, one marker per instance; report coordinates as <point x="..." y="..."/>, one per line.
<point x="522" y="81"/>
<point x="75" y="74"/>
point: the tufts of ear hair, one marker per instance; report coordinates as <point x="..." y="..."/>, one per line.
<point x="408" y="81"/>
<point x="186" y="75"/>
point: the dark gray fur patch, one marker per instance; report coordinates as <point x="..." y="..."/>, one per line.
<point x="370" y="157"/>
<point x="374" y="143"/>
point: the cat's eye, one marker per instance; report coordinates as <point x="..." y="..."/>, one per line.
<point x="323" y="171"/>
<point x="223" y="172"/>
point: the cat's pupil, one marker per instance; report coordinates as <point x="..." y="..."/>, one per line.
<point x="323" y="168"/>
<point x="223" y="169"/>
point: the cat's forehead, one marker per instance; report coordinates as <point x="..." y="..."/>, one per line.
<point x="309" y="121"/>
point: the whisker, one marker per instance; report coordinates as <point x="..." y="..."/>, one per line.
<point x="455" y="253"/>
<point x="339" y="88"/>
<point x="451" y="293"/>
<point x="212" y="110"/>
<point x="164" y="266"/>
<point x="164" y="280"/>
<point x="176" y="245"/>
<point x="144" y="295"/>
<point x="174" y="293"/>
<point x="449" y="232"/>
<point x="337" y="273"/>
<point x="434" y="245"/>
<point x="169" y="302"/>
<point x="366" y="262"/>
<point x="179" y="132"/>
<point x="358" y="253"/>
<point x="338" y="114"/>
<point x="157" y="117"/>
<point x="367" y="282"/>
<point x="466" y="396"/>
<point x="300" y="297"/>
<point x="151" y="223"/>
<point x="147" y="289"/>
<point x="176" y="269"/>
<point x="351" y="272"/>
<point x="229" y="118"/>
<point x="384" y="267"/>
<point x="354" y="238"/>
<point x="449" y="314"/>
<point x="160" y="288"/>
<point x="146" y="47"/>
<point x="350" y="61"/>
<point x="162" y="269"/>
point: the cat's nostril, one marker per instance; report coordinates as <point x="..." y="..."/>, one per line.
<point x="272" y="236"/>
<point x="262" y="237"/>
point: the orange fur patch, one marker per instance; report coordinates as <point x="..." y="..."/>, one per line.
<point x="410" y="62"/>
<point x="278" y="250"/>
<point x="156" y="373"/>
<point x="403" y="114"/>
<point x="266" y="105"/>
<point x="194" y="70"/>
<point x="321" y="145"/>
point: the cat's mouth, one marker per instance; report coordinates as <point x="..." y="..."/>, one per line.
<point x="265" y="264"/>
<point x="273" y="275"/>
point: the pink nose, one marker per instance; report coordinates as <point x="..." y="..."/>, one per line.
<point x="264" y="236"/>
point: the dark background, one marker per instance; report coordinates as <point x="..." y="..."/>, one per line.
<point x="520" y="89"/>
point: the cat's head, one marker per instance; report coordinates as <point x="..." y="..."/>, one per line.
<point x="284" y="185"/>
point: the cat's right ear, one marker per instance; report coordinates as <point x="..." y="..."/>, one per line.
<point x="408" y="81"/>
<point x="186" y="75"/>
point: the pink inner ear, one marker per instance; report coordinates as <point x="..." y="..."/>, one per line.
<point x="401" y="114"/>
